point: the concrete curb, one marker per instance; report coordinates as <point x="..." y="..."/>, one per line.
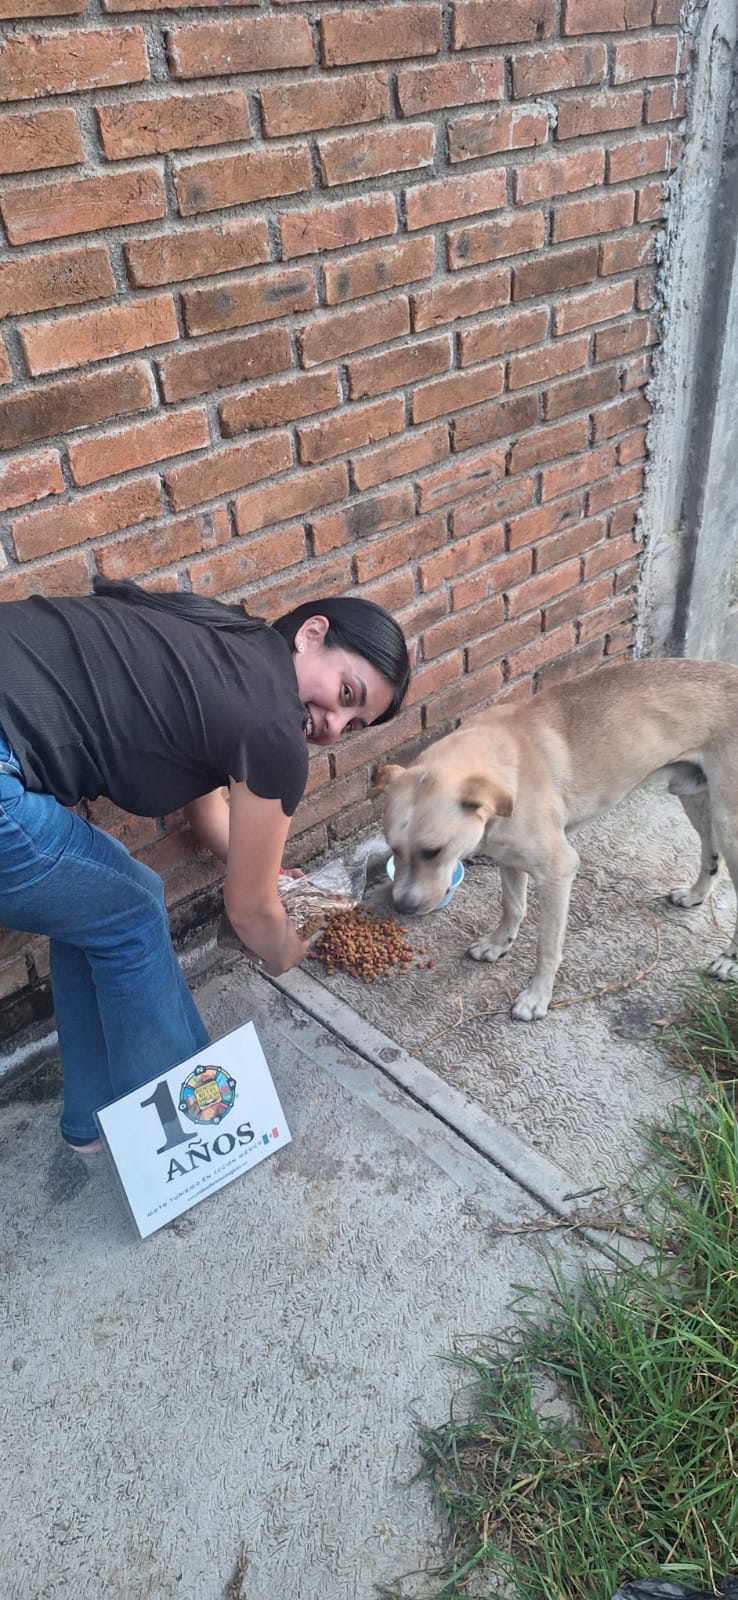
<point x="539" y="1177"/>
<point x="525" y="1166"/>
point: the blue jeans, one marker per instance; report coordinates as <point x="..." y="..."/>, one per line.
<point x="123" y="1010"/>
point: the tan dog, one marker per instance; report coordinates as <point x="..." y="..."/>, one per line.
<point x="517" y="780"/>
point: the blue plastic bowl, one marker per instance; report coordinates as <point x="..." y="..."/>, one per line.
<point x="458" y="878"/>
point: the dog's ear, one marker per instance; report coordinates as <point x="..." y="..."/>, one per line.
<point x="483" y="794"/>
<point x="382" y="778"/>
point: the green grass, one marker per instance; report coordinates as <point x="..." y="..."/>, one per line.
<point x="629" y="1469"/>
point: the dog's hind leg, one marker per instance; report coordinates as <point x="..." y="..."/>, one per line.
<point x="725" y="966"/>
<point x="697" y="808"/>
<point x="491" y="946"/>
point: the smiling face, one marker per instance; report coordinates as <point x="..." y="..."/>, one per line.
<point x="341" y="691"/>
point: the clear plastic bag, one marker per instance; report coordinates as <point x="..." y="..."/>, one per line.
<point x="309" y="901"/>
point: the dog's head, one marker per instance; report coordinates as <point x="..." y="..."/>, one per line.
<point x="433" y="818"/>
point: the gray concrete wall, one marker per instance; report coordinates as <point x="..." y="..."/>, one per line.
<point x="690" y="511"/>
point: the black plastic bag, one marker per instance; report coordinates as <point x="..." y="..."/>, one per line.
<point x="659" y="1589"/>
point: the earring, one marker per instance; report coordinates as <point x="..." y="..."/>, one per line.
<point x="300" y="647"/>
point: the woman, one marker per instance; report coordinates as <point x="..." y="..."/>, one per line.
<point x="162" y="701"/>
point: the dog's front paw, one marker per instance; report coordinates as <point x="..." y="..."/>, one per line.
<point x="686" y="896"/>
<point x="531" y="1004"/>
<point x="489" y="948"/>
<point x="725" y="966"/>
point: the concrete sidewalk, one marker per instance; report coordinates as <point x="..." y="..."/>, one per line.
<point x="251" y="1377"/>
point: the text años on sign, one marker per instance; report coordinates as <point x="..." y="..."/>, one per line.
<point x="200" y="1151"/>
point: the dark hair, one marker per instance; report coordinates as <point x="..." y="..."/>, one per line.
<point x="195" y="607"/>
<point x="364" y="627"/>
<point x="354" y="624"/>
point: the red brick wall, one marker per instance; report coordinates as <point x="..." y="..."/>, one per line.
<point x="302" y="300"/>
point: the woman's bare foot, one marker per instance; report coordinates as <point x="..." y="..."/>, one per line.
<point x="90" y="1149"/>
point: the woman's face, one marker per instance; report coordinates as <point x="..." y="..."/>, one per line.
<point x="341" y="691"/>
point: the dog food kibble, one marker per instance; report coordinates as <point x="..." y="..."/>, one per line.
<point x="363" y="945"/>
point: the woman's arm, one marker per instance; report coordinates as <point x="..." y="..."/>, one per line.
<point x="258" y="833"/>
<point x="209" y="819"/>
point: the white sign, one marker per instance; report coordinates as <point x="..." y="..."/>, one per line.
<point x="193" y="1129"/>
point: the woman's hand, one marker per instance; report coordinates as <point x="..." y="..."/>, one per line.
<point x="287" y="961"/>
<point x="259" y="961"/>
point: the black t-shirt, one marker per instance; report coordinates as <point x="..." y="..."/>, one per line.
<point x="147" y="707"/>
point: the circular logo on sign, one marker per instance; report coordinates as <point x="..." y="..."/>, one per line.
<point x="207" y="1095"/>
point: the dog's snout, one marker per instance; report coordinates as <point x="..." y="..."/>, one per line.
<point x="411" y="900"/>
<point x="406" y="901"/>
